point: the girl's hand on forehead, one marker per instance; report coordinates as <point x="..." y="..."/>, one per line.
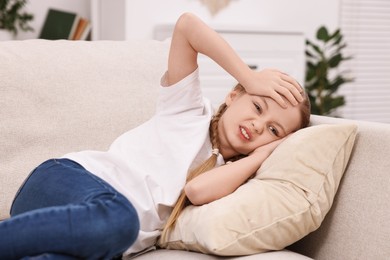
<point x="276" y="85"/>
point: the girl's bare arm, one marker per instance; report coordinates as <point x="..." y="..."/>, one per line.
<point x="221" y="181"/>
<point x="192" y="36"/>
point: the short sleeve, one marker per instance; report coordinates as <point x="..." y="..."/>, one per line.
<point x="183" y="97"/>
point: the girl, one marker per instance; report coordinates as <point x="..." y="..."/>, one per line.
<point x="93" y="204"/>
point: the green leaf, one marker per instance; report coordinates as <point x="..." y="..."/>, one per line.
<point x="12" y="18"/>
<point x="3" y="5"/>
<point x="335" y="60"/>
<point x="335" y="34"/>
<point x="321" y="59"/>
<point x="309" y="54"/>
<point x="338" y="101"/>
<point x="336" y="83"/>
<point x="331" y="103"/>
<point x="312" y="56"/>
<point x="311" y="83"/>
<point x="314" y="107"/>
<point x="322" y="34"/>
<point x="338" y="39"/>
<point x="322" y="69"/>
<point x="314" y="47"/>
<point x="310" y="74"/>
<point x="338" y="49"/>
<point x="318" y="50"/>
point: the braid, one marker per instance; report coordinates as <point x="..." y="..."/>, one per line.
<point x="213" y="130"/>
<point x="183" y="201"/>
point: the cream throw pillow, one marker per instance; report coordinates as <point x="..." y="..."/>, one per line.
<point x="287" y="199"/>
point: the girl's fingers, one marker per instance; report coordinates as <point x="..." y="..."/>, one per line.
<point x="297" y="93"/>
<point x="280" y="87"/>
<point x="290" y="89"/>
<point x="292" y="83"/>
<point x="294" y="90"/>
<point x="288" y="95"/>
<point x="278" y="98"/>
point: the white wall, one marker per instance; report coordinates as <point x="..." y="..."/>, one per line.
<point x="39" y="8"/>
<point x="298" y="15"/>
<point x="142" y="15"/>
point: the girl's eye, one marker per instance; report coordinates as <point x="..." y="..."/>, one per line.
<point x="258" y="108"/>
<point x="274" y="131"/>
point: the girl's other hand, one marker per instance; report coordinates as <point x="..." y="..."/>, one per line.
<point x="276" y="85"/>
<point x="268" y="148"/>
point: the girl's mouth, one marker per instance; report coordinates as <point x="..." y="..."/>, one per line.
<point x="245" y="133"/>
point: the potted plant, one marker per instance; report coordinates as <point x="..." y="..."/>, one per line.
<point x="13" y="18"/>
<point x="323" y="78"/>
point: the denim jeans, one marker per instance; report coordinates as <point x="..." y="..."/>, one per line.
<point x="65" y="212"/>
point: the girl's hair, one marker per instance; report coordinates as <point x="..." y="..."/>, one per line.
<point x="209" y="164"/>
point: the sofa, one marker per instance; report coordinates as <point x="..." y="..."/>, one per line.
<point x="62" y="96"/>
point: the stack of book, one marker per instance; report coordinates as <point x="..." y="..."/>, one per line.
<point x="65" y="25"/>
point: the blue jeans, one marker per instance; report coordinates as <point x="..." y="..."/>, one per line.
<point x="65" y="212"/>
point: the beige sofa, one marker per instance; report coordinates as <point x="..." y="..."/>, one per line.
<point x="62" y="96"/>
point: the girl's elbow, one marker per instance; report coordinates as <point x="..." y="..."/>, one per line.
<point x="185" y="22"/>
<point x="193" y="194"/>
<point x="186" y="18"/>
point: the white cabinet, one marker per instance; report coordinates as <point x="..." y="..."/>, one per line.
<point x="284" y="50"/>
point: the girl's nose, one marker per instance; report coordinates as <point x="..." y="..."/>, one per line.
<point x="257" y="127"/>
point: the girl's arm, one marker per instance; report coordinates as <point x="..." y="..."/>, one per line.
<point x="191" y="36"/>
<point x="221" y="181"/>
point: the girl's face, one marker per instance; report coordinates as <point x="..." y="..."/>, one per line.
<point x="252" y="121"/>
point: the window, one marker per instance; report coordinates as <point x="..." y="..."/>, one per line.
<point x="365" y="25"/>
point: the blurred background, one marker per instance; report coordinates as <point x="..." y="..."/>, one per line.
<point x="338" y="49"/>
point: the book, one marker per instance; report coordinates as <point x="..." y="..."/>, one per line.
<point x="59" y="25"/>
<point x="82" y="30"/>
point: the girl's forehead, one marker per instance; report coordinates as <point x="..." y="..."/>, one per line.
<point x="289" y="118"/>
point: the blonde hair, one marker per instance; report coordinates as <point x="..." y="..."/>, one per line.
<point x="210" y="163"/>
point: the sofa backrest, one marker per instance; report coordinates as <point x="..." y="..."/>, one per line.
<point x="63" y="96"/>
<point x="358" y="224"/>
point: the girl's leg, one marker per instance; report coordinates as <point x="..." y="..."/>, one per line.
<point x="50" y="257"/>
<point x="64" y="209"/>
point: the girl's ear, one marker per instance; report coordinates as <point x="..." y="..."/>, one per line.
<point x="230" y="97"/>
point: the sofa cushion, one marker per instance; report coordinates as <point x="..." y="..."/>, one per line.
<point x="64" y="96"/>
<point x="163" y="254"/>
<point x="287" y="199"/>
<point x="357" y="226"/>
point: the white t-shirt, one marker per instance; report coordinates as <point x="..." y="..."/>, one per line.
<point x="149" y="163"/>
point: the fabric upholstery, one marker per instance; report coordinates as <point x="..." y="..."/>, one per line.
<point x="358" y="224"/>
<point x="185" y="255"/>
<point x="62" y="96"/>
<point x="287" y="199"/>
